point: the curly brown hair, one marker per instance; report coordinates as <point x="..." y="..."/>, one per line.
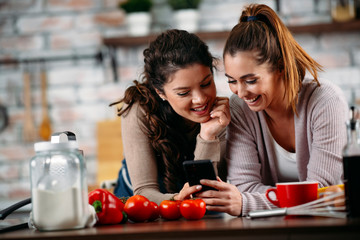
<point x="169" y="52"/>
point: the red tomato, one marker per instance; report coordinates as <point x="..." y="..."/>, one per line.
<point x="138" y="208"/>
<point x="155" y="211"/>
<point x="193" y="209"/>
<point x="170" y="209"/>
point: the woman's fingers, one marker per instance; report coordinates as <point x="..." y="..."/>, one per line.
<point x="219" y="119"/>
<point x="219" y="185"/>
<point x="223" y="118"/>
<point x="230" y="206"/>
<point x="217" y="208"/>
<point x="224" y="102"/>
<point x="227" y="199"/>
<point x="187" y="191"/>
<point x="221" y="102"/>
<point x="221" y="110"/>
<point x="226" y="209"/>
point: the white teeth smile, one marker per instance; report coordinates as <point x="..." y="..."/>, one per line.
<point x="200" y="109"/>
<point x="252" y="100"/>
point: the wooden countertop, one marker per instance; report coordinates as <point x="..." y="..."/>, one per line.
<point x="211" y="227"/>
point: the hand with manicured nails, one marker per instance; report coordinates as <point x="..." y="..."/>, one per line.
<point x="187" y="191"/>
<point x="219" y="119"/>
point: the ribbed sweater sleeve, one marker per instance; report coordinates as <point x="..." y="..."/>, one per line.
<point x="327" y="112"/>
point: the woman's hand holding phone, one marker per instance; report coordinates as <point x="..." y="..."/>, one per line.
<point x="187" y="191"/>
<point x="219" y="119"/>
<point x="227" y="199"/>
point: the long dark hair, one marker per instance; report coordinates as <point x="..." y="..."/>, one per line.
<point x="260" y="30"/>
<point x="169" y="52"/>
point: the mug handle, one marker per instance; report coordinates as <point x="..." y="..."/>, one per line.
<point x="276" y="201"/>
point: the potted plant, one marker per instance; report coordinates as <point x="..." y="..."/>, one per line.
<point x="138" y="17"/>
<point x="186" y="14"/>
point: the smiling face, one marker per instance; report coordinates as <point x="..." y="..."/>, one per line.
<point x="191" y="92"/>
<point x="260" y="88"/>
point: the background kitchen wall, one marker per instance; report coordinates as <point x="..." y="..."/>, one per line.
<point x="80" y="89"/>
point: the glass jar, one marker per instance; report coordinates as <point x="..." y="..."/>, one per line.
<point x="58" y="185"/>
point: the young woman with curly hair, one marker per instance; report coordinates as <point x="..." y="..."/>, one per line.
<point x="172" y="115"/>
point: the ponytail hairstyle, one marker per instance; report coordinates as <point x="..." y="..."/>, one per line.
<point x="169" y="52"/>
<point x="261" y="31"/>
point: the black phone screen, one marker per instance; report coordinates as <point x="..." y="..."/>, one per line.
<point x="197" y="170"/>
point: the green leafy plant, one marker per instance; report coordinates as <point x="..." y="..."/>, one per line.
<point x="131" y="6"/>
<point x="184" y="4"/>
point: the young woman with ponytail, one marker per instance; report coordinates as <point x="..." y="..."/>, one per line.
<point x="286" y="125"/>
<point x="171" y="115"/>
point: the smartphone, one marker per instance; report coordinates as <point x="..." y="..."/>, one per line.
<point x="197" y="170"/>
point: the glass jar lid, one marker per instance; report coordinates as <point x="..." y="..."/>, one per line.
<point x="48" y="146"/>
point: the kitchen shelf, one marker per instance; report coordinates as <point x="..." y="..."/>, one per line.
<point x="334" y="27"/>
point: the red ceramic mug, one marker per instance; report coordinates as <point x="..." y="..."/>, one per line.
<point x="293" y="193"/>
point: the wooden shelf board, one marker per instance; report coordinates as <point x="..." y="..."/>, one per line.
<point x="128" y="41"/>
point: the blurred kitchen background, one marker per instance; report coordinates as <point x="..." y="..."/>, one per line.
<point x="69" y="59"/>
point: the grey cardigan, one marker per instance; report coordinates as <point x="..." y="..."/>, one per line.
<point x="320" y="137"/>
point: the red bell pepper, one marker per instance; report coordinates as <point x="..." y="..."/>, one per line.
<point x="108" y="207"/>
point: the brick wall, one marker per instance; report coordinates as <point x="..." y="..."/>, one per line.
<point x="79" y="90"/>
